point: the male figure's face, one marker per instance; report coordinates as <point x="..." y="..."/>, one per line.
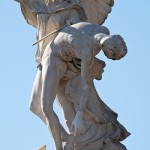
<point x="113" y="50"/>
<point x="110" y="48"/>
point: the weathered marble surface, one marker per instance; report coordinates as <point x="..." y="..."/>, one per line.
<point x="67" y="67"/>
<point x="42" y="148"/>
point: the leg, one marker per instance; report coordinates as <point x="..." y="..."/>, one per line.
<point x="52" y="71"/>
<point x="35" y="103"/>
<point x="66" y="105"/>
<point x="35" y="100"/>
<point x="69" y="114"/>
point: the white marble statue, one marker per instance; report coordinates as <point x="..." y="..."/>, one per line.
<point x="67" y="67"/>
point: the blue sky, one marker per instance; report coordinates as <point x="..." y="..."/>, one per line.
<point x="125" y="86"/>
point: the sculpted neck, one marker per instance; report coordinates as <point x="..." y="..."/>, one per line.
<point x="101" y="38"/>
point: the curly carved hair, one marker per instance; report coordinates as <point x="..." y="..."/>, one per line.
<point x="120" y="49"/>
<point x="120" y="45"/>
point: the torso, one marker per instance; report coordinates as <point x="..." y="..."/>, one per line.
<point x="72" y="40"/>
<point x="49" y="23"/>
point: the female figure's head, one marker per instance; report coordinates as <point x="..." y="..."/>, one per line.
<point x="98" y="69"/>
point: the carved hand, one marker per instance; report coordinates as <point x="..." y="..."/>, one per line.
<point x="78" y="123"/>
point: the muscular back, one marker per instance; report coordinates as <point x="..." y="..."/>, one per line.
<point x="78" y="40"/>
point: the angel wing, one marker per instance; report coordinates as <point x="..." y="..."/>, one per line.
<point x="96" y="11"/>
<point x="30" y="8"/>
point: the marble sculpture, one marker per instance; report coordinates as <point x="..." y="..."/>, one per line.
<point x="69" y="36"/>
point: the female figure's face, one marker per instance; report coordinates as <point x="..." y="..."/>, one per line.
<point x="97" y="70"/>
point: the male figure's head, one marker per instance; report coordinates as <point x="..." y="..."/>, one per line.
<point x="114" y="47"/>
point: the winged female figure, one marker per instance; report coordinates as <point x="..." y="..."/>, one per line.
<point x="49" y="16"/>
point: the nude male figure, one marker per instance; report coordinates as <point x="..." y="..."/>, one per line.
<point x="80" y="41"/>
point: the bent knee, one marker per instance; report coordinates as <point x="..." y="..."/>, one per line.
<point x="34" y="107"/>
<point x="47" y="109"/>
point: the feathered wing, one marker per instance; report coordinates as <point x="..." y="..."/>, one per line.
<point x="96" y="11"/>
<point x="29" y="16"/>
<point x="30" y="8"/>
